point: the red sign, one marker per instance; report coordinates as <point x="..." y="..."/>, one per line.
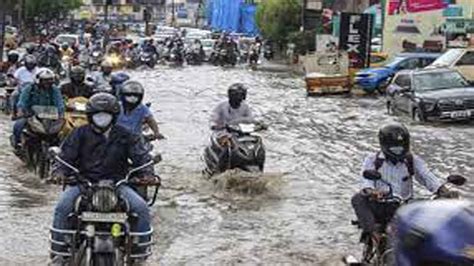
<point x="400" y="7"/>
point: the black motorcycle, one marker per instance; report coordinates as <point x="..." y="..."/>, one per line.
<point x="102" y="234"/>
<point x="268" y="52"/>
<point x="253" y="58"/>
<point x="148" y="59"/>
<point x="176" y="56"/>
<point x="241" y="148"/>
<point x="194" y="56"/>
<point x="41" y="132"/>
<point x="226" y="57"/>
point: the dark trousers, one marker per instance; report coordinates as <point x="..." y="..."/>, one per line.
<point x="370" y="213"/>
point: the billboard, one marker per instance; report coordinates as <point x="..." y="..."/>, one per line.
<point x="400" y="7"/>
<point x="354" y="38"/>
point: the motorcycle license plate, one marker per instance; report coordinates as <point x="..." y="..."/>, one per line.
<point x="116" y="217"/>
<point x="461" y="114"/>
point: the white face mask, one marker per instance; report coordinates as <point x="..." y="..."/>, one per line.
<point x="132" y="99"/>
<point x="397" y="150"/>
<point x="102" y="120"/>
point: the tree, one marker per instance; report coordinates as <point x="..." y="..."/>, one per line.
<point x="46" y="10"/>
<point x="278" y="18"/>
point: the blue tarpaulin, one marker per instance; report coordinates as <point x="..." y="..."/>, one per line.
<point x="232" y="16"/>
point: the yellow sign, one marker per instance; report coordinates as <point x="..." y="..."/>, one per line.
<point x="126" y="10"/>
<point x="85" y="14"/>
<point x="116" y="230"/>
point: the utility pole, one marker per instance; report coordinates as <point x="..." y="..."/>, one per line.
<point x="106" y="21"/>
<point x="303" y="15"/>
<point x="173" y="19"/>
<point x="3" y="15"/>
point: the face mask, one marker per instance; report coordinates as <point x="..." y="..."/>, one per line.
<point x="102" y="120"/>
<point x="132" y="99"/>
<point x="397" y="150"/>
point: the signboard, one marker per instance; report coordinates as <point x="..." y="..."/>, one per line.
<point x="314" y="4"/>
<point x="400" y="7"/>
<point x="354" y="38"/>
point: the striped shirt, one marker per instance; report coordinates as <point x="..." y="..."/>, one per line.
<point x="398" y="176"/>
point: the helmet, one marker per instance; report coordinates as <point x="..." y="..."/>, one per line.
<point x="77" y="74"/>
<point x="45" y="77"/>
<point x="132" y="92"/>
<point x="30" y="48"/>
<point x="30" y="61"/>
<point x="102" y="110"/>
<point x="239" y="89"/>
<point x="236" y="95"/>
<point x="106" y="64"/>
<point x="13" y="56"/>
<point x="394" y="141"/>
<point x="65" y="46"/>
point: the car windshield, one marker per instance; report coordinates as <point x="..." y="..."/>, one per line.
<point x="439" y="80"/>
<point x="447" y="58"/>
<point x="207" y="43"/>
<point x="394" y="61"/>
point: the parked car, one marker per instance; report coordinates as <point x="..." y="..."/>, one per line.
<point x="459" y="59"/>
<point x="376" y="79"/>
<point x="431" y="95"/>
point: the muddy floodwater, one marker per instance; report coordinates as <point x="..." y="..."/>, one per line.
<point x="299" y="212"/>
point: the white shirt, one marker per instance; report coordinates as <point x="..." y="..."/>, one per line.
<point x="23" y="75"/>
<point x="398" y="177"/>
<point x="224" y="113"/>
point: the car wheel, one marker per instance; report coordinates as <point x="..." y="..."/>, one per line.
<point x="417" y="116"/>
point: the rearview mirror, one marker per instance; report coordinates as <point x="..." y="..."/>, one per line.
<point x="54" y="151"/>
<point x="457" y="180"/>
<point x="373" y="175"/>
<point x="157" y="158"/>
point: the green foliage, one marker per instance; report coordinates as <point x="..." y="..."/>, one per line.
<point x="278" y="18"/>
<point x="49" y="9"/>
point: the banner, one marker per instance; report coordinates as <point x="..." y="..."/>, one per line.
<point x="400" y="7"/>
<point x="355" y="36"/>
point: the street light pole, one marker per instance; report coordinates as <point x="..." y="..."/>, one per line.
<point x="172" y="13"/>
<point x="106" y="20"/>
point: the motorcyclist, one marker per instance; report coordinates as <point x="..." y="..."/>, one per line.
<point x="233" y="109"/>
<point x="101" y="150"/>
<point x="65" y="50"/>
<point x="134" y="114"/>
<point x="398" y="166"/>
<point x="13" y="58"/>
<point x="149" y="47"/>
<point x="105" y="75"/>
<point x="76" y="87"/>
<point x="27" y="72"/>
<point x="50" y="58"/>
<point x="41" y="93"/>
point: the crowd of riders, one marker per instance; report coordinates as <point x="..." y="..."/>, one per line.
<point x="117" y="116"/>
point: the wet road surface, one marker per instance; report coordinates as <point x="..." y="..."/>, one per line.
<point x="315" y="147"/>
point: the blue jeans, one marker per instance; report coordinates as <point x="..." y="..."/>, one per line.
<point x="18" y="127"/>
<point x="67" y="200"/>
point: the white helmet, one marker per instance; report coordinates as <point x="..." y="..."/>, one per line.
<point x="44" y="73"/>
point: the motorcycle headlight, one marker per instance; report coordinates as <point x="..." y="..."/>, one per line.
<point x="36" y="126"/>
<point x="104" y="199"/>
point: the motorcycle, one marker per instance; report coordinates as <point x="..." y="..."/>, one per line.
<point x="148" y="59"/>
<point x="380" y="253"/>
<point x="175" y="57"/>
<point x="6" y="105"/>
<point x="268" y="52"/>
<point x="253" y="59"/>
<point x="241" y="149"/>
<point x="95" y="59"/>
<point x="102" y="234"/>
<point x="75" y="116"/>
<point x="41" y="132"/>
<point x="193" y="56"/>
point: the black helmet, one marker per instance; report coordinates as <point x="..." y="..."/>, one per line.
<point x="78" y="74"/>
<point x="13" y="56"/>
<point x="238" y="89"/>
<point x="132" y="92"/>
<point x="101" y="104"/>
<point x="30" y="48"/>
<point x="30" y="61"/>
<point x="394" y="141"/>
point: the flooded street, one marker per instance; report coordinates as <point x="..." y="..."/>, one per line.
<point x="315" y="147"/>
